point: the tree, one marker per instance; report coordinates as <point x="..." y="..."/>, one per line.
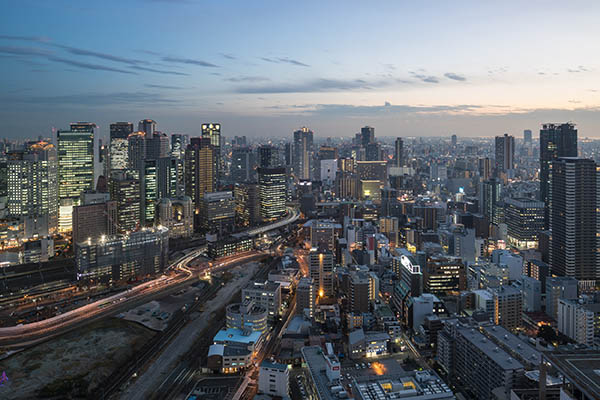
<point x="547" y="333"/>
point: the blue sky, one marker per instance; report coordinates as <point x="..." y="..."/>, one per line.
<point x="263" y="68"/>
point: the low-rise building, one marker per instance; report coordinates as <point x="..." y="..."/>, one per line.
<point x="266" y="294"/>
<point x="273" y="379"/>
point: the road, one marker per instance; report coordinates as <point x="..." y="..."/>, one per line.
<point x="34" y="332"/>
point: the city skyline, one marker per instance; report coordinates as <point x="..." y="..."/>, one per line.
<point x="406" y="69"/>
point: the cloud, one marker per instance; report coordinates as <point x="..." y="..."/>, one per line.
<point x="228" y="56"/>
<point x="88" y="65"/>
<point x="388" y="108"/>
<point x="190" y="61"/>
<point x="247" y="79"/>
<point x="279" y="60"/>
<point x="424" y="78"/>
<point x="455" y="77"/>
<point x="313" y="86"/>
<point x="39" y="39"/>
<point x="154" y="86"/>
<point x="98" y="99"/>
<point x="24" y="51"/>
<point x="159" y="71"/>
<point x="578" y="69"/>
<point x="103" y="56"/>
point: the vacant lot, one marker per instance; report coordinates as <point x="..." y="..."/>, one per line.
<point x="72" y="364"/>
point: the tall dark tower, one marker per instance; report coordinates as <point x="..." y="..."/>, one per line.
<point x="212" y="131"/>
<point x="556" y="140"/>
<point x="399" y="152"/>
<point x="573" y="216"/>
<point x="367" y="135"/>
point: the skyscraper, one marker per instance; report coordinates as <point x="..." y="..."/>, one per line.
<point x="118" y="148"/>
<point x="212" y="132"/>
<point x="321" y="263"/>
<point x="268" y="156"/>
<point x="573" y="218"/>
<point x="124" y="188"/>
<point x="76" y="161"/>
<point x="527" y="136"/>
<point x="200" y="170"/>
<point x="178" y="144"/>
<point x="136" y="150"/>
<point x="367" y="135"/>
<point x="490" y="195"/>
<point x="399" y="152"/>
<point x="149" y="191"/>
<point x="505" y="154"/>
<point x="148" y="126"/>
<point x="272" y="192"/>
<point x="32" y="184"/>
<point x="303" y="152"/>
<point x="242" y="164"/>
<point x="157" y="145"/>
<point x="556" y="140"/>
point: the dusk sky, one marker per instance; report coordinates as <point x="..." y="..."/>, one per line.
<point x="264" y="68"/>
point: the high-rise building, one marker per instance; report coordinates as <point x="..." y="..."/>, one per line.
<point x="490" y="194"/>
<point x="268" y="156"/>
<point x="367" y="135"/>
<point x="124" y="188"/>
<point x="243" y="164"/>
<point x="200" y="170"/>
<point x="373" y="152"/>
<point x="306" y="297"/>
<point x="92" y="221"/>
<point x="527" y="136"/>
<point x="217" y="212"/>
<point x="573" y="202"/>
<point x="505" y="154"/>
<point x="399" y="152"/>
<point x="454" y="140"/>
<point x="525" y="220"/>
<point x="247" y="203"/>
<point x="136" y="150"/>
<point x="556" y="140"/>
<point x="148" y="126"/>
<point x="508" y="307"/>
<point x="75" y="168"/>
<point x="485" y="168"/>
<point x="157" y="146"/>
<point x="123" y="257"/>
<point x="321" y="262"/>
<point x="176" y="214"/>
<point x="212" y="132"/>
<point x="32" y="185"/>
<point x="360" y="291"/>
<point x="444" y="275"/>
<point x="272" y="193"/>
<point x="118" y="148"/>
<point x="148" y="191"/>
<point x="559" y="287"/>
<point x="178" y="144"/>
<point x="303" y="153"/>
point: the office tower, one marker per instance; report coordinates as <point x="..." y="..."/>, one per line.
<point x="92" y="221"/>
<point x="272" y="193"/>
<point x="538" y="270"/>
<point x="527" y="136"/>
<point x="124" y="188"/>
<point x="103" y="159"/>
<point x="306" y="297"/>
<point x="247" y="203"/>
<point x="328" y="153"/>
<point x="454" y="140"/>
<point x="177" y="215"/>
<point x="367" y="135"/>
<point x="578" y="321"/>
<point x="346" y="185"/>
<point x="217" y="212"/>
<point x="242" y="164"/>
<point x="268" y="156"/>
<point x="75" y="168"/>
<point x="174" y="168"/>
<point x="360" y="292"/>
<point x="573" y="219"/>
<point x="123" y="257"/>
<point x="239" y="141"/>
<point x="148" y="191"/>
<point x="485" y="168"/>
<point x="212" y="132"/>
<point x="303" y="153"/>
<point x="157" y="146"/>
<point x="556" y="140"/>
<point x="399" y="152"/>
<point x="444" y="275"/>
<point x="288" y="154"/>
<point x="323" y="234"/>
<point x="532" y="294"/>
<point x="118" y="148"/>
<point x="408" y="272"/>
<point x="372" y="170"/>
<point x="373" y="152"/>
<point x="136" y="150"/>
<point x="321" y="262"/>
<point x="490" y="195"/>
<point x="147" y="126"/>
<point x="200" y="170"/>
<point x="559" y="287"/>
<point x="508" y="306"/>
<point x="32" y="185"/>
<point x="525" y="220"/>
<point x="266" y="294"/>
<point x="505" y="154"/>
<point x="178" y="144"/>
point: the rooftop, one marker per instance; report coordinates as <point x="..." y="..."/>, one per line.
<point x="489" y="348"/>
<point x="237" y="336"/>
<point x="315" y="361"/>
<point x="509" y="341"/>
<point x="581" y="368"/>
<point x="412" y="385"/>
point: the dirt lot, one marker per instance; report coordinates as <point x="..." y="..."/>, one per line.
<point x="75" y="362"/>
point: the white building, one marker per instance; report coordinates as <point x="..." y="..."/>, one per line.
<point x="274" y="379"/>
<point x="266" y="294"/>
<point x="576" y="321"/>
